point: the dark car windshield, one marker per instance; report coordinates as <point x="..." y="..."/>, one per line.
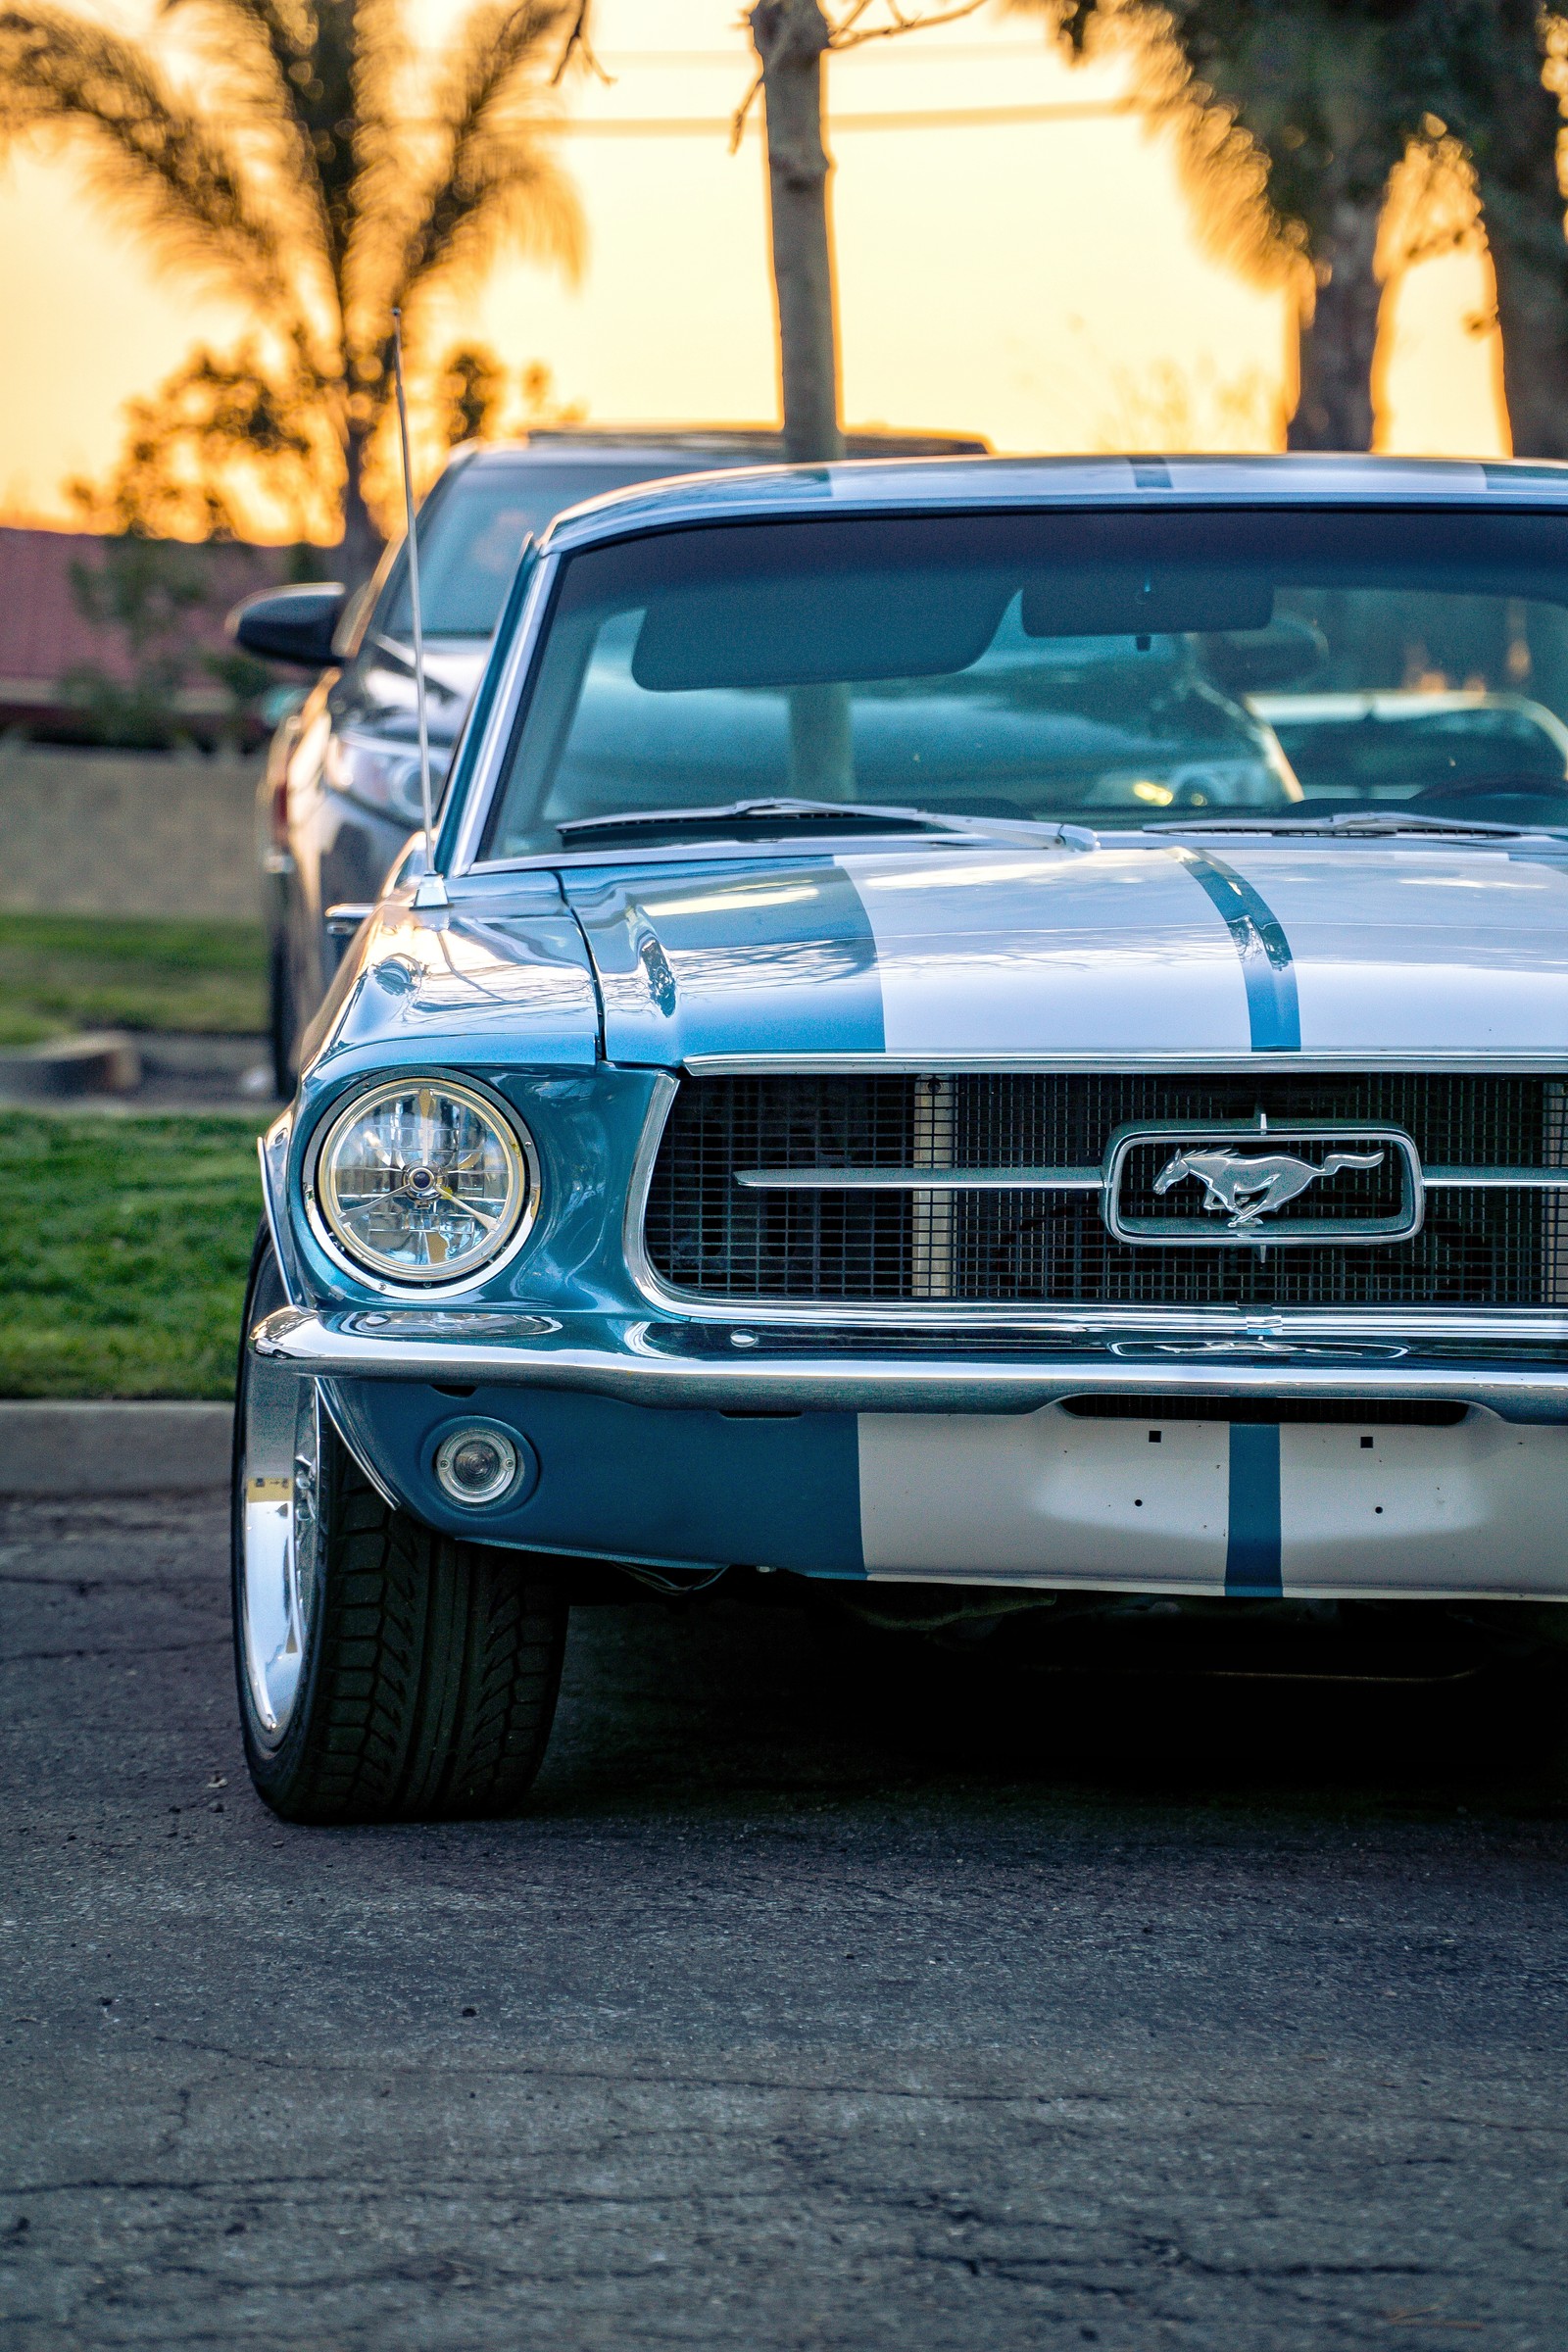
<point x="473" y="533"/>
<point x="1110" y="668"/>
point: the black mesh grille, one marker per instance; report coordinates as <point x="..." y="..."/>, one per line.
<point x="710" y="1235"/>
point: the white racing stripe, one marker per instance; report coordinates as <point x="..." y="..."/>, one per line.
<point x="1393" y="950"/>
<point x="1474" y="1509"/>
<point x="1043" y="952"/>
<point x="1044" y="1498"/>
<point x="1410" y="951"/>
<point x="1049" y="1500"/>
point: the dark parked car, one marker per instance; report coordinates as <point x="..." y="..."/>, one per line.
<point x="341" y="788"/>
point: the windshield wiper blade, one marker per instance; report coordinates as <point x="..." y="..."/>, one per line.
<point x="857" y="813"/>
<point x="854" y="815"/>
<point x="1349" y="821"/>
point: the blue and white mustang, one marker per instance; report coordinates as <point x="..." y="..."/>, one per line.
<point x="905" y="1080"/>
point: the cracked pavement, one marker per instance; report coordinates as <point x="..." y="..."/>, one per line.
<point x="830" y="1995"/>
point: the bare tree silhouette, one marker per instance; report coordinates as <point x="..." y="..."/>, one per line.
<point x="790" y="39"/>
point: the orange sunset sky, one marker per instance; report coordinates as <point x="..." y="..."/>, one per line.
<point x="1039" y="280"/>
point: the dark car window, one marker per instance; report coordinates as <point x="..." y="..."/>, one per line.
<point x="993" y="665"/>
<point x="477" y="523"/>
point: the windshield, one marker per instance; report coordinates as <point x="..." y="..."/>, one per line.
<point x="472" y="534"/>
<point x="1110" y="670"/>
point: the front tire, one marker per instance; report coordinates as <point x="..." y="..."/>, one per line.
<point x="385" y="1672"/>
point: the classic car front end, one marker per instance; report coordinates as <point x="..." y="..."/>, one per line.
<point x="907" y="1086"/>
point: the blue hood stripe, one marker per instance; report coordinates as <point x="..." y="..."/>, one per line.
<point x="1267" y="971"/>
<point x="761" y="954"/>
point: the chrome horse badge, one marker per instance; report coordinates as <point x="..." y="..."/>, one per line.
<point x="1252" y="1185"/>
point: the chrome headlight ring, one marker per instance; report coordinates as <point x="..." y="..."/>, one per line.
<point x="421" y="1184"/>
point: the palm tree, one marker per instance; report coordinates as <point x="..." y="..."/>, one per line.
<point x="1495" y="71"/>
<point x="791" y="38"/>
<point x="324" y="174"/>
<point x="1296" y="114"/>
<point x="1315" y="88"/>
<point x="1292" y="115"/>
<point x="790" y="42"/>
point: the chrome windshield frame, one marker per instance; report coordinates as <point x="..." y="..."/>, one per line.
<point x="490" y="758"/>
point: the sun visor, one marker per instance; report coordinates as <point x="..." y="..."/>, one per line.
<point x="817" y="631"/>
<point x="1158" y="601"/>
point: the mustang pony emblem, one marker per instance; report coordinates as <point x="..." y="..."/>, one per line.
<point x="1252" y="1185"/>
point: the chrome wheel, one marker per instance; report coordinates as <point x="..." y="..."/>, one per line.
<point x="280" y="1540"/>
<point x="385" y="1672"/>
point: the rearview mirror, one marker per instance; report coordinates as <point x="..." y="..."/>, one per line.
<point x="289" y="624"/>
<point x="1149" y="600"/>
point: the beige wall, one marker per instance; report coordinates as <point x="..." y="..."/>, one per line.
<point x="127" y="832"/>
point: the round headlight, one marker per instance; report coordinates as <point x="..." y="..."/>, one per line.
<point x="421" y="1182"/>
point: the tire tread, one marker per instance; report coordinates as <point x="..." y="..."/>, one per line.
<point x="435" y="1685"/>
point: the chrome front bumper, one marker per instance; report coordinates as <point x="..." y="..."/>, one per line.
<point x="719" y="1367"/>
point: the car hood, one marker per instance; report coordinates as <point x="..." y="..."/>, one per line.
<point x="1207" y="946"/>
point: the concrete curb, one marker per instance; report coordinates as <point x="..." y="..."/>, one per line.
<point x="93" y="1449"/>
<point x="97" y="1061"/>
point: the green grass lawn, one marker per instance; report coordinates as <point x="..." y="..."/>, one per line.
<point x="124" y="1252"/>
<point x="62" y="972"/>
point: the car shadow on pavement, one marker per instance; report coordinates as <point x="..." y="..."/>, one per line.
<point x="837" y="1988"/>
<point x="695" y="1702"/>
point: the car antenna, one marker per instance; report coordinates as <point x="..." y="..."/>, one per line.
<point x="433" y="889"/>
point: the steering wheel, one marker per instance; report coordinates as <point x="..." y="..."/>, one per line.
<point x="1499" y="799"/>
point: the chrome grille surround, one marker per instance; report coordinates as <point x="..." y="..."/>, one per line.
<point x="971" y="1248"/>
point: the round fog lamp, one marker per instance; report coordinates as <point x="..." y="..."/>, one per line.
<point x="475" y="1465"/>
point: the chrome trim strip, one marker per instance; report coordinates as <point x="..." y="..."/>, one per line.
<point x="911" y="1065"/>
<point x="1075" y="1180"/>
<point x="633" y="1242"/>
<point x="976" y="1321"/>
<point x="1042" y="485"/>
<point x="272" y="1150"/>
<point x="503" y="713"/>
<point x="1533" y="1180"/>
<point x="340" y="1347"/>
<point x="925" y="1180"/>
<point x="335" y="1413"/>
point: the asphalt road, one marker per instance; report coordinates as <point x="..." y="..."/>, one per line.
<point x="824" y="1998"/>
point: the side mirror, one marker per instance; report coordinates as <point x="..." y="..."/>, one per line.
<point x="289" y="624"/>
